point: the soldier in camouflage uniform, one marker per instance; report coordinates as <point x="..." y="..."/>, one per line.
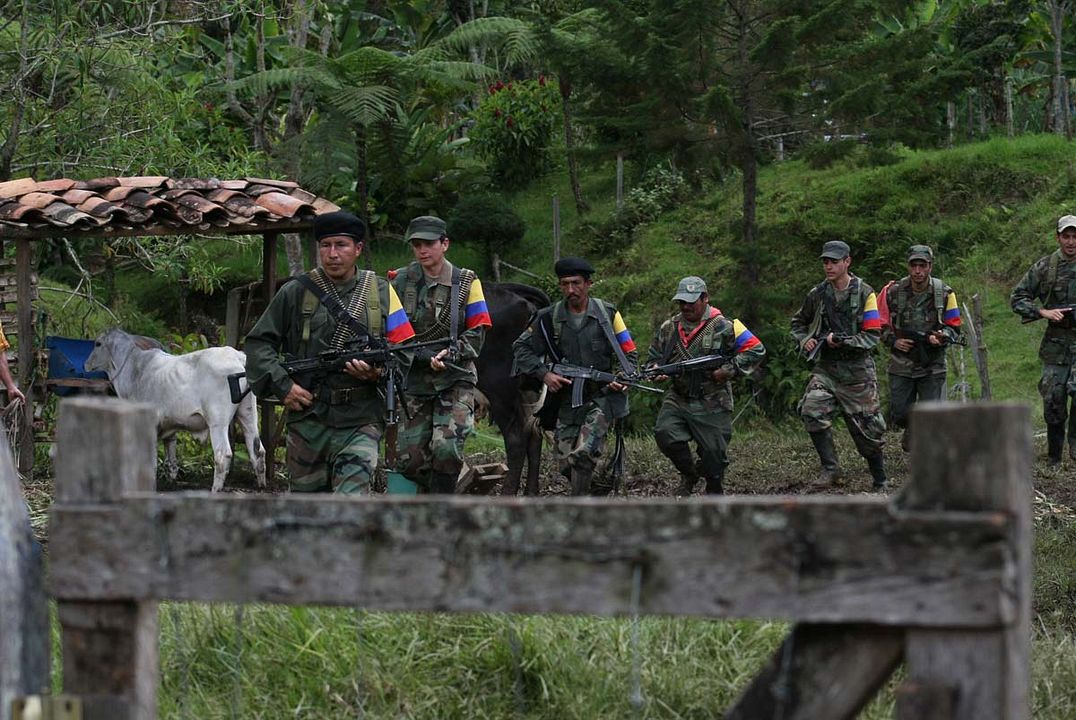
<point x="923" y="319"/>
<point x="698" y="406"/>
<point x="1044" y="292"/>
<point x="333" y="429"/>
<point x="587" y="331"/>
<point x="440" y="384"/>
<point x="842" y="314"/>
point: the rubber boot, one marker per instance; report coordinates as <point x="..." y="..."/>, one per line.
<point x="1055" y="441"/>
<point x="714" y="484"/>
<point x="443" y="484"/>
<point x="581" y="481"/>
<point x="876" y="463"/>
<point x="687" y="485"/>
<point x="904" y="440"/>
<point x="827" y="455"/>
<point x="682" y="459"/>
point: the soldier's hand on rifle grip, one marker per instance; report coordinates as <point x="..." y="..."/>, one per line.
<point x="832" y="341"/>
<point x="555" y="382"/>
<point x="809" y="345"/>
<point x="617" y="387"/>
<point x="437" y="362"/>
<point x="298" y="398"/>
<point x="936" y="338"/>
<point x="721" y="375"/>
<point x="1052" y="314"/>
<point x="903" y="344"/>
<point x="362" y="370"/>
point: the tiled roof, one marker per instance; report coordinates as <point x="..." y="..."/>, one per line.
<point x="127" y="205"/>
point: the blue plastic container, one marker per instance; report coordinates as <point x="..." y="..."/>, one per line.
<point x="67" y="359"/>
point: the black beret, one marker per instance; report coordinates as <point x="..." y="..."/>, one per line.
<point x="569" y="266"/>
<point x="340" y="222"/>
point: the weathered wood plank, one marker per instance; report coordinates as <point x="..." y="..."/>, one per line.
<point x="105" y="449"/>
<point x="816" y="559"/>
<point x="24" y="311"/>
<point x="925" y="701"/>
<point x="24" y="615"/>
<point x="821" y="671"/>
<point x="977" y="458"/>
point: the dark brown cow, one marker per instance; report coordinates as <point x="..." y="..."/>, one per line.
<point x="511" y="399"/>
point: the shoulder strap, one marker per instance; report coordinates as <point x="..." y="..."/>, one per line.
<point x="818" y="291"/>
<point x="411" y="280"/>
<point x="939" y="298"/>
<point x="607" y="327"/>
<point x="310" y="302"/>
<point x="1051" y="276"/>
<point x="373" y="304"/>
<point x="454" y="302"/>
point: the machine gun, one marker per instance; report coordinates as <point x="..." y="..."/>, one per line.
<point x="699" y="364"/>
<point x="821" y="338"/>
<point x="1066" y="322"/>
<point x="580" y="374"/>
<point x="309" y="371"/>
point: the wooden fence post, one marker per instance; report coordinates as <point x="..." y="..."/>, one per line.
<point x="976" y="458"/>
<point x="106" y="448"/>
<point x="24" y="613"/>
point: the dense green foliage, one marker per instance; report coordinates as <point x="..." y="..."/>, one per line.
<point x="513" y="129"/>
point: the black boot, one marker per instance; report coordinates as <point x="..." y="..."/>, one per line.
<point x="876" y="463"/>
<point x="1055" y="441"/>
<point x="443" y="484"/>
<point x="714" y="484"/>
<point x="581" y="481"/>
<point x="687" y="485"/>
<point x="682" y="459"/>
<point x="827" y="455"/>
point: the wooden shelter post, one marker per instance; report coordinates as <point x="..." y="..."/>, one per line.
<point x="105" y="449"/>
<point x="23" y="269"/>
<point x="268" y="409"/>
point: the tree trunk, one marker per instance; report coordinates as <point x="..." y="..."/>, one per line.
<point x="18" y="99"/>
<point x="1009" y="121"/>
<point x="565" y="85"/>
<point x="1061" y="124"/>
<point x="749" y="165"/>
<point x="360" y="173"/>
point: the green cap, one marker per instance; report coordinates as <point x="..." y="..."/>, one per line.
<point x="425" y="227"/>
<point x="920" y="252"/>
<point x="836" y="250"/>
<point x="690" y="289"/>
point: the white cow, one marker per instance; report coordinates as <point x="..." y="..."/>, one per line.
<point x="190" y="393"/>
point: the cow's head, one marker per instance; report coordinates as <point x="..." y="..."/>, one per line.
<point x="110" y="349"/>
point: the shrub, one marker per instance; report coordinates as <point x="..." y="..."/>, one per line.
<point x="487" y="221"/>
<point x="661" y="189"/>
<point x="514" y="127"/>
<point x="823" y="154"/>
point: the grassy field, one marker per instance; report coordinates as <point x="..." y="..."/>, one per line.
<point x="986" y="208"/>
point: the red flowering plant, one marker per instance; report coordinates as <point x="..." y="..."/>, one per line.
<point x="514" y="127"/>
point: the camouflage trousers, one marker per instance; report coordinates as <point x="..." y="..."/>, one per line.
<point x="852" y="390"/>
<point x="324" y="459"/>
<point x="579" y="437"/>
<point x="432" y="433"/>
<point x="1057" y="383"/>
<point x="708" y="424"/>
<point x="906" y="391"/>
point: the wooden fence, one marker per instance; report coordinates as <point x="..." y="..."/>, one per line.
<point x="938" y="577"/>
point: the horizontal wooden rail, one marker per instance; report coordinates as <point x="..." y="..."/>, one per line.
<point x="809" y="559"/>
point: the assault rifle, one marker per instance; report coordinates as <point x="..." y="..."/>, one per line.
<point x="922" y="352"/>
<point x="1066" y="322"/>
<point x="821" y="338"/>
<point x="580" y="374"/>
<point x="699" y="364"/>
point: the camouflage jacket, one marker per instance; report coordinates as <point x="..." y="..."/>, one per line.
<point x="341" y="400"/>
<point x="920" y="313"/>
<point x="714" y="335"/>
<point x="427" y="307"/>
<point x="856" y="309"/>
<point x="586" y="345"/>
<point x="1035" y="291"/>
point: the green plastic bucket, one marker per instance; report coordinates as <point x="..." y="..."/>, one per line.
<point x="399" y="484"/>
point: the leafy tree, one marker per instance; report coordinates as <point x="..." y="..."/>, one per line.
<point x="487" y="221"/>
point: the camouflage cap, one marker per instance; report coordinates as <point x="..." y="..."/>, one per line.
<point x="1066" y="221"/>
<point x="425" y="227"/>
<point x="836" y="250"/>
<point x="690" y="289"/>
<point x="920" y="252"/>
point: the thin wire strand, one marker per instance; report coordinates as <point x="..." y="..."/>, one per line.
<point x="636" y="696"/>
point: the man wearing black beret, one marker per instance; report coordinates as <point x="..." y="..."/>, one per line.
<point x="587" y="331"/>
<point x="334" y="428"/>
